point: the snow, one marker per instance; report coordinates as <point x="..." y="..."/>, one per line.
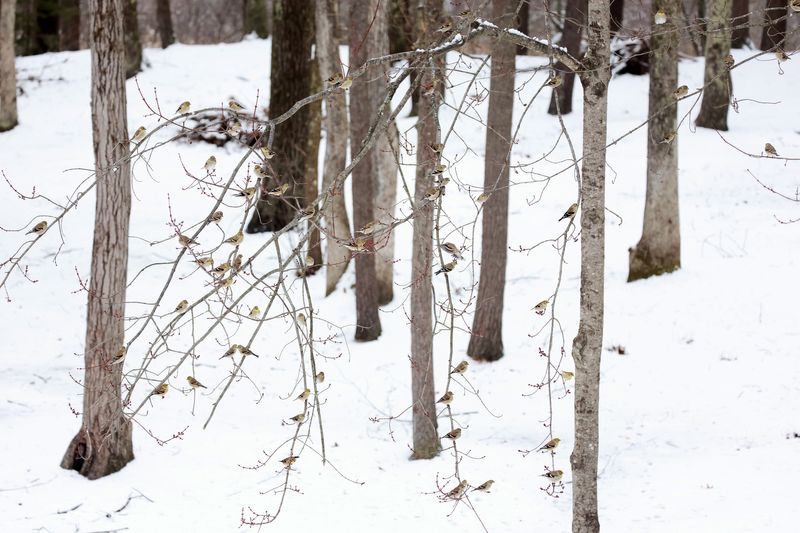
<point x="696" y="417"/>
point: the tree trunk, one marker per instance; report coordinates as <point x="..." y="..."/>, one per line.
<point x="69" y="24"/>
<point x="659" y="249"/>
<point x="717" y="82"/>
<point x="290" y="81"/>
<point x="337" y="226"/>
<point x="104" y="443"/>
<point x="85" y="38"/>
<point x="617" y="15"/>
<point x="133" y="47"/>
<point x="740" y="23"/>
<point x="8" y="72"/>
<point x="164" y="19"/>
<point x="523" y="24"/>
<point x="774" y="32"/>
<point x="368" y="324"/>
<point x="588" y="343"/>
<point x="574" y="20"/>
<point x="486" y="340"/>
<point x="311" y="182"/>
<point x="425" y="428"/>
<point x="255" y="17"/>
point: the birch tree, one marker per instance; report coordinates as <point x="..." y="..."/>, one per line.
<point x="717" y="78"/>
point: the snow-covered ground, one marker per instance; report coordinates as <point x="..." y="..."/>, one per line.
<point x="699" y="416"/>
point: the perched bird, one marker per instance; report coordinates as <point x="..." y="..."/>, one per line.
<point x="247" y="193"/>
<point x="205" y="262"/>
<point x="447" y="398"/>
<point x="235" y="106"/>
<point x="39" y="228"/>
<point x="436" y="148"/>
<point x="320" y="377"/>
<point x="680" y="92"/>
<point x="770" y="150"/>
<point x="304" y="395"/>
<point x="781" y="56"/>
<point x="255" y="312"/>
<point x="668" y="138"/>
<point x="139" y="134"/>
<point x="369" y="228"/>
<point x="289" y="461"/>
<point x="230" y="351"/>
<point x="308" y="213"/>
<point x="119" y="356"/>
<point x="453" y="435"/>
<point x="452" y="249"/>
<point x="458" y="490"/>
<point x="227" y="282"/>
<point x="460" y="368"/>
<point x="193" y="383"/>
<point x="182" y="306"/>
<point x="266" y="152"/>
<point x="216" y="216"/>
<point x="447" y="267"/>
<point x="244" y="350"/>
<point x="566" y="375"/>
<point x="553" y="476"/>
<point x="355" y="245"/>
<point x="260" y="172"/>
<point x="347" y="82"/>
<point x="278" y="191"/>
<point x="550" y="445"/>
<point x="335" y="79"/>
<point x="438" y="169"/>
<point x="433" y="193"/>
<point x="210" y="164"/>
<point x="485" y="486"/>
<point x="161" y="390"/>
<point x="221" y="269"/>
<point x="482" y="197"/>
<point x="186" y="241"/>
<point x="729" y="61"/>
<point x="569" y="213"/>
<point x="237" y="262"/>
<point x="234" y="128"/>
<point x="465" y="14"/>
<point x="236" y="239"/>
<point x="298" y="419"/>
<point x="541" y="307"/>
<point x="554" y="81"/>
<point x="660" y="17"/>
<point x="301" y="320"/>
<point x="183" y="108"/>
<point x="444" y="28"/>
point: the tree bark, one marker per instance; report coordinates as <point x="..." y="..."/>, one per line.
<point x="8" y="72"/>
<point x="717" y="82"/>
<point x="486" y="339"/>
<point x="337" y="226"/>
<point x="774" y="32"/>
<point x="311" y="184"/>
<point x="588" y="343"/>
<point x="574" y="20"/>
<point x="425" y="428"/>
<point x="69" y="24"/>
<point x="133" y="46"/>
<point x="85" y="38"/>
<point x="290" y="81"/>
<point x="659" y="249"/>
<point x="104" y="443"/>
<point x="740" y="23"/>
<point x="255" y="17"/>
<point x="164" y="19"/>
<point x="368" y="324"/>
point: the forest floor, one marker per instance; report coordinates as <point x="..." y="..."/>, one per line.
<point x="699" y="415"/>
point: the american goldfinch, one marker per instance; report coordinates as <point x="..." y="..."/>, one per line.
<point x="347" y="82"/>
<point x="301" y="320"/>
<point x="119" y="356"/>
<point x="681" y="91"/>
<point x="485" y="486"/>
<point x="304" y="395"/>
<point x="221" y="269"/>
<point x="182" y="306"/>
<point x="554" y="81"/>
<point x="216" y="216"/>
<point x="369" y="228"/>
<point x="230" y="351"/>
<point x="541" y="307"/>
<point x="39" y="228"/>
<point x="193" y="383"/>
<point x="260" y="172"/>
<point x="210" y="164"/>
<point x="453" y="435"/>
<point x="234" y="128"/>
<point x="553" y="476"/>
<point x="781" y="56"/>
<point x="244" y="350"/>
<point x="236" y="239"/>
<point x="436" y="148"/>
<point x="550" y="445"/>
<point x="438" y="169"/>
<point x="566" y="375"/>
<point x="289" y="461"/>
<point x="186" y="241"/>
<point x="433" y="193"/>
<point x="465" y="14"/>
<point x="320" y="377"/>
<point x="183" y="108"/>
<point x="447" y="398"/>
<point x="729" y="60"/>
<point x="460" y="368"/>
<point x="335" y="79"/>
<point x="570" y="212"/>
<point x="247" y="193"/>
<point x="278" y="191"/>
<point x="482" y="197"/>
<point x="266" y="152"/>
<point x="660" y="17"/>
<point x="770" y="150"/>
<point x="447" y="267"/>
<point x="452" y="249"/>
<point x="444" y="28"/>
<point x="139" y="134"/>
<point x="668" y="138"/>
<point x="205" y="262"/>
<point x="458" y="490"/>
<point x="255" y="312"/>
<point x="298" y="419"/>
<point x="161" y="390"/>
<point x="308" y="213"/>
<point x="235" y="106"/>
<point x="227" y="282"/>
<point x="355" y="245"/>
<point x="237" y="262"/>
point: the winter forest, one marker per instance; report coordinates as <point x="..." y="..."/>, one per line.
<point x="393" y="265"/>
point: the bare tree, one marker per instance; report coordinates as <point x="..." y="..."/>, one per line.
<point x="133" y="46"/>
<point x="774" y="32"/>
<point x="523" y="23"/>
<point x="574" y="19"/>
<point x="311" y="181"/>
<point x="337" y="226"/>
<point x="740" y="23"/>
<point x="103" y="445"/>
<point x="69" y="26"/>
<point x="8" y="73"/>
<point x="164" y="21"/>
<point x="588" y="343"/>
<point x="486" y="340"/>
<point x="717" y="80"/>
<point x="659" y="249"/>
<point x="255" y="17"/>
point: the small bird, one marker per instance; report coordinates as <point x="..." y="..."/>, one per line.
<point x="260" y="172"/>
<point x="660" y="17"/>
<point x="436" y="148"/>
<point x="369" y="228"/>
<point x="485" y="486"/>
<point x="460" y="368"/>
<point x="433" y="193"/>
<point x="550" y="445"/>
<point x="221" y="269"/>
<point x="465" y="14"/>
<point x="309" y="261"/>
<point x="566" y="375"/>
<point x="453" y="435"/>
<point x="770" y="150"/>
<point x="447" y="267"/>
<point x="186" y="241"/>
<point x="234" y="128"/>
<point x="668" y="138"/>
<point x="301" y="320"/>
<point x="182" y="306"/>
<point x="247" y="193"/>
<point x="210" y="164"/>
<point x="289" y="461"/>
<point x="161" y="390"/>
<point x="230" y="351"/>
<point x="278" y="191"/>
<point x="355" y="245"/>
<point x="335" y="79"/>
<point x="235" y="106"/>
<point x="119" y="356"/>
<point x="193" y="383"/>
<point x="244" y="350"/>
<point x="183" y="108"/>
<point x="553" y="476"/>
<point x="320" y="377"/>
<point x="237" y="262"/>
<point x="794" y="5"/>
<point x="308" y="213"/>
<point x="347" y="82"/>
<point x="569" y="213"/>
<point x="216" y="216"/>
<point x="541" y="307"/>
<point x="452" y="249"/>
<point x="680" y="92"/>
<point x="139" y="134"/>
<point x="227" y="282"/>
<point x="39" y="228"/>
<point x="482" y="197"/>
<point x="304" y="395"/>
<point x="729" y="60"/>
<point x="447" y="398"/>
<point x="444" y="28"/>
<point x="266" y="152"/>
<point x="236" y="239"/>
<point x="298" y="419"/>
<point x="458" y="490"/>
<point x="438" y="169"/>
<point x="554" y="81"/>
<point x="781" y="56"/>
<point x="205" y="262"/>
<point x="255" y="312"/>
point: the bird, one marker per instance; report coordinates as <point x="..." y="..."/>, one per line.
<point x="369" y="228"/>
<point x="541" y="307"/>
<point x="289" y="461"/>
<point x="139" y="134"/>
<point x="436" y="148"/>
<point x="447" y="267"/>
<point x="161" y="390"/>
<point x="447" y="398"/>
<point x="550" y="445"/>
<point x="260" y="172"/>
<point x="482" y="197"/>
<point x="566" y="375"/>
<point x="266" y="152"/>
<point x="280" y="190"/>
<point x="729" y="60"/>
<point x="234" y="128"/>
<point x="210" y="164"/>
<point x="794" y="5"/>
<point x="221" y="269"/>
<point x="235" y="239"/>
<point x="660" y="17"/>
<point x="553" y="476"/>
<point x="569" y="213"/>
<point x="452" y="249"/>
<point x="460" y="368"/>
<point x="205" y="262"/>
<point x="216" y="216"/>
<point x="186" y="241"/>
<point x="183" y="108"/>
<point x="770" y="150"/>
<point x="680" y="92"/>
<point x="668" y="138"/>
<point x="298" y="419"/>
<point x="433" y="193"/>
<point x="182" y="306"/>
<point x="781" y="56"/>
<point x="355" y="245"/>
<point x="320" y="377"/>
<point x="255" y="312"/>
<point x="444" y="28"/>
<point x="438" y="169"/>
<point x="458" y="490"/>
<point x="194" y="383"/>
<point x="347" y="82"/>
<point x="335" y="79"/>
<point x="235" y="106"/>
<point x="453" y="435"/>
<point x="304" y="395"/>
<point x="230" y="351"/>
<point x="244" y="350"/>
<point x="301" y="320"/>
<point x="309" y="261"/>
<point x="247" y="193"/>
<point x="465" y="14"/>
<point x="39" y="228"/>
<point x="554" y="81"/>
<point x="485" y="486"/>
<point x="119" y="356"/>
<point x="308" y="213"/>
<point x="237" y="262"/>
<point x="227" y="282"/>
